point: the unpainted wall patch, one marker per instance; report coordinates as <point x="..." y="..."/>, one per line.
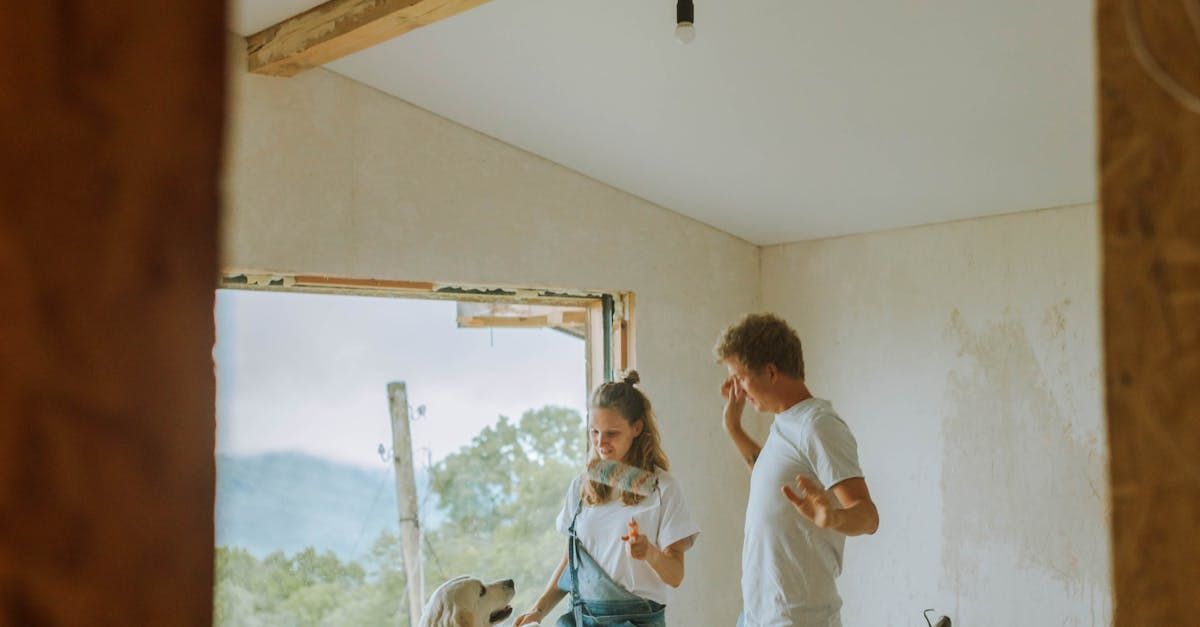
<point x="1015" y="477"/>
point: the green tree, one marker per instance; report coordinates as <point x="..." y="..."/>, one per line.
<point x="305" y="589"/>
<point x="501" y="494"/>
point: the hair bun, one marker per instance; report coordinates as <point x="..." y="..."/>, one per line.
<point x="632" y="377"/>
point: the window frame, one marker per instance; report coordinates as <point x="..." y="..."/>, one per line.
<point x="610" y="313"/>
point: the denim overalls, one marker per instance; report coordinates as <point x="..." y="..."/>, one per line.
<point x="598" y="600"/>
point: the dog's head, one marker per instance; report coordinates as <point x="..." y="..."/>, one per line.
<point x="468" y="602"/>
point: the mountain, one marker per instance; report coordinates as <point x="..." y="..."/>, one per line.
<point x="289" y="501"/>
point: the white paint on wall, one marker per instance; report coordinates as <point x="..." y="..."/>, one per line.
<point x="327" y="176"/>
<point x="966" y="358"/>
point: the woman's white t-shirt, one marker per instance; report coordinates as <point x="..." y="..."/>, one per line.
<point x="662" y="517"/>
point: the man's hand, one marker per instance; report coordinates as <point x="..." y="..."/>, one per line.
<point x="857" y="515"/>
<point x="735" y="403"/>
<point x="637" y="544"/>
<point x="813" y="502"/>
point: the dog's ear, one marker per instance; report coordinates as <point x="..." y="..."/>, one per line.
<point x="431" y="616"/>
<point x="436" y="614"/>
<point x="463" y="618"/>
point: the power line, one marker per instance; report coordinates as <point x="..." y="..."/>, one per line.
<point x="436" y="561"/>
<point x="367" y="519"/>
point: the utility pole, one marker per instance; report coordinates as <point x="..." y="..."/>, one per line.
<point x="406" y="499"/>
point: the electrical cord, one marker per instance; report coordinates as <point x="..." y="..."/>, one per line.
<point x="1141" y="51"/>
<point x="942" y="622"/>
<point x="1193" y="11"/>
<point x="367" y="519"/>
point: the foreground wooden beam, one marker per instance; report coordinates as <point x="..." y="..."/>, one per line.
<point x="339" y="28"/>
<point x="1150" y="203"/>
<point x="111" y="116"/>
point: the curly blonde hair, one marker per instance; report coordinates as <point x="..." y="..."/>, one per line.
<point x="760" y="339"/>
<point x="646" y="451"/>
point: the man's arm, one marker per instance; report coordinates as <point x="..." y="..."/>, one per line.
<point x="735" y="404"/>
<point x="746" y="446"/>
<point x="857" y="516"/>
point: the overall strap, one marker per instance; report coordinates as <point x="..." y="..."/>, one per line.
<point x="575" y="518"/>
<point x="572" y="554"/>
<point x="661" y="514"/>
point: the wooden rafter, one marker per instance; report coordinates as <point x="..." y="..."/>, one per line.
<point x="339" y="28"/>
<point x="569" y="320"/>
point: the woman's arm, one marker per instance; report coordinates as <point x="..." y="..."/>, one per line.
<point x="548" y="600"/>
<point x="666" y="563"/>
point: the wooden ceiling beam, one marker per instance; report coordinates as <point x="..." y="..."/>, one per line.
<point x="339" y="28"/>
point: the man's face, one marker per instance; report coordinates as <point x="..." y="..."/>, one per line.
<point x="758" y="386"/>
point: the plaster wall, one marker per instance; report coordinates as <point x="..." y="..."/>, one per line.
<point x="966" y="359"/>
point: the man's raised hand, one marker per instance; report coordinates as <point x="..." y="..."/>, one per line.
<point x="735" y="403"/>
<point x="812" y="502"/>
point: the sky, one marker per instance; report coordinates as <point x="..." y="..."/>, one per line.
<point x="309" y="372"/>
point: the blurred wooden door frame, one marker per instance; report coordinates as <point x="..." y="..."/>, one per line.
<point x="112" y="121"/>
<point x="1150" y="217"/>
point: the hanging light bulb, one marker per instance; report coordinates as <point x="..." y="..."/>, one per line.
<point x="685" y="30"/>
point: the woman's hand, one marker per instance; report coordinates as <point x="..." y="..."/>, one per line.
<point x="637" y="544"/>
<point x="528" y="618"/>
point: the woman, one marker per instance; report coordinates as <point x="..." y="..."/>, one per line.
<point x="624" y="551"/>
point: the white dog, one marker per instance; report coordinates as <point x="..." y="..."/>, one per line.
<point x="467" y="602"/>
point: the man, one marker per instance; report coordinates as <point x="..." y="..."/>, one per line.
<point x="792" y="551"/>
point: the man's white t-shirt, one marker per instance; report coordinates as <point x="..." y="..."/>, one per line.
<point x="788" y="563"/>
<point x="662" y="517"/>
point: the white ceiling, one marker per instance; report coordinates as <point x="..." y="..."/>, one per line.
<point x="785" y="120"/>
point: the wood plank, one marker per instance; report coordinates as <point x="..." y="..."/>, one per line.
<point x="381" y="284"/>
<point x="595" y="345"/>
<point x="1150" y="205"/>
<point x="111" y="114"/>
<point x="627" y="359"/>
<point x="339" y="28"/>
<point x="567" y="319"/>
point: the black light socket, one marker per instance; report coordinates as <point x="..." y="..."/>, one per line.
<point x="685" y="12"/>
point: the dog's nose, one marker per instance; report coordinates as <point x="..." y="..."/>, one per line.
<point x="508" y="583"/>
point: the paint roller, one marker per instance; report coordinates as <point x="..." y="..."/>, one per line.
<point x="622" y="476"/>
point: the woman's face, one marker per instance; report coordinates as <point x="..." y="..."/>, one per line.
<point x="611" y="435"/>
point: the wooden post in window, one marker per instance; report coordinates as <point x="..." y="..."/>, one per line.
<point x="111" y="115"/>
<point x="624" y="332"/>
<point x="406" y="498"/>
<point x="595" y="345"/>
<point x="1149" y="91"/>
